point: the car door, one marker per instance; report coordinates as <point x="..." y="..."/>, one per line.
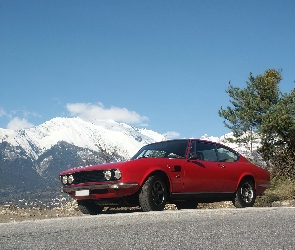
<point x="228" y="160"/>
<point x="203" y="172"/>
<point x="176" y="174"/>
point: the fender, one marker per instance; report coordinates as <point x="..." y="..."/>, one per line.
<point x="244" y="176"/>
<point x="163" y="169"/>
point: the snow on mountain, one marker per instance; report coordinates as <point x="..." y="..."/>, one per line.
<point x="124" y="138"/>
<point x="31" y="159"/>
<point x="110" y="136"/>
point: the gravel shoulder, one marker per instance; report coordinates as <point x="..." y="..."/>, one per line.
<point x="15" y="214"/>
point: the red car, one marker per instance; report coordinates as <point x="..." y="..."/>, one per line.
<point x="183" y="172"/>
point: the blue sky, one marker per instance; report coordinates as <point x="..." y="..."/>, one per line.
<point x="163" y="65"/>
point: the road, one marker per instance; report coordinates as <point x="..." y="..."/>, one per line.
<point x="250" y="228"/>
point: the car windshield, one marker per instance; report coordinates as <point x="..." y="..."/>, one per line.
<point x="165" y="149"/>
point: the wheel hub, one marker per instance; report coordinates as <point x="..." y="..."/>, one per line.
<point x="247" y="193"/>
<point x="158" y="193"/>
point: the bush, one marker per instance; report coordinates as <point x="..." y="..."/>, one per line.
<point x="282" y="189"/>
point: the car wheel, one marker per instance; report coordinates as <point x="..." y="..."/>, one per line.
<point x="153" y="194"/>
<point x="245" y="195"/>
<point x="186" y="205"/>
<point x="88" y="207"/>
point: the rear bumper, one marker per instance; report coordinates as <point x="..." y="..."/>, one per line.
<point x="115" y="186"/>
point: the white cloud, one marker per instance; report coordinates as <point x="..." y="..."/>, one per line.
<point x="2" y="112"/>
<point x="18" y="123"/>
<point x="57" y="101"/>
<point x="92" y="112"/>
<point x="171" y="135"/>
<point x="27" y="113"/>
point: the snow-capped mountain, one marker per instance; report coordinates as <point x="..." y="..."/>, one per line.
<point x="31" y="159"/>
<point x="75" y="131"/>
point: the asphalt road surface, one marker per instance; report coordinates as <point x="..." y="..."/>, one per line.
<point x="250" y="228"/>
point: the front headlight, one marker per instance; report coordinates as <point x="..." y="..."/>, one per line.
<point x="70" y="179"/>
<point x="64" y="179"/>
<point x="113" y="174"/>
<point x="107" y="175"/>
<point x="117" y="174"/>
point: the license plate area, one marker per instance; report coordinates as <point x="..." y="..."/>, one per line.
<point x="82" y="192"/>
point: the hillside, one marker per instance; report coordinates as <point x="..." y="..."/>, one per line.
<point x="31" y="159"/>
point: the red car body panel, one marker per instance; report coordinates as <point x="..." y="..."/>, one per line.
<point x="183" y="175"/>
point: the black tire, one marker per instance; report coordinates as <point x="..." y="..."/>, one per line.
<point x="88" y="207"/>
<point x="186" y="205"/>
<point x="245" y="195"/>
<point x="153" y="194"/>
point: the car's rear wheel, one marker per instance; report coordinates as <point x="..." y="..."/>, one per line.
<point x="245" y="195"/>
<point x="153" y="194"/>
<point x="88" y="207"/>
<point x="186" y="204"/>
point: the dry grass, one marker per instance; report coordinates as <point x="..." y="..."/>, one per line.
<point x="282" y="190"/>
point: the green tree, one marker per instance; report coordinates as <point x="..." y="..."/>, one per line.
<point x="262" y="109"/>
<point x="278" y="136"/>
<point x="250" y="104"/>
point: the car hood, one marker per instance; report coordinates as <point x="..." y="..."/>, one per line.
<point x="93" y="167"/>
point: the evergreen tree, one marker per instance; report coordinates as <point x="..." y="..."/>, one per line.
<point x="278" y="136"/>
<point x="261" y="108"/>
<point x="250" y="104"/>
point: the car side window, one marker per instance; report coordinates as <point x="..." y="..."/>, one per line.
<point x="170" y="149"/>
<point x="203" y="151"/>
<point x="155" y="153"/>
<point x="226" y="155"/>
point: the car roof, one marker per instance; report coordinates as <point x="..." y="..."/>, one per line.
<point x="200" y="140"/>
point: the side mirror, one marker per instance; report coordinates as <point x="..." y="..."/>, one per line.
<point x="193" y="157"/>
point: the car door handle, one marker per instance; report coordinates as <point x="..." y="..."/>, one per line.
<point x="221" y="165"/>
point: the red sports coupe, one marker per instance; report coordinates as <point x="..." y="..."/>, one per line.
<point x="183" y="172"/>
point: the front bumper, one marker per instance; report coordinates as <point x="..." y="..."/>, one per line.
<point x="115" y="186"/>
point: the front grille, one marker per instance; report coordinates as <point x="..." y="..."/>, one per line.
<point x="88" y="176"/>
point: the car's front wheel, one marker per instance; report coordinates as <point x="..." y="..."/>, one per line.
<point x="153" y="194"/>
<point x="245" y="195"/>
<point x="88" y="207"/>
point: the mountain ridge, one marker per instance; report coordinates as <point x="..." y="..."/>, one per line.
<point x="78" y="132"/>
<point x="31" y="159"/>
